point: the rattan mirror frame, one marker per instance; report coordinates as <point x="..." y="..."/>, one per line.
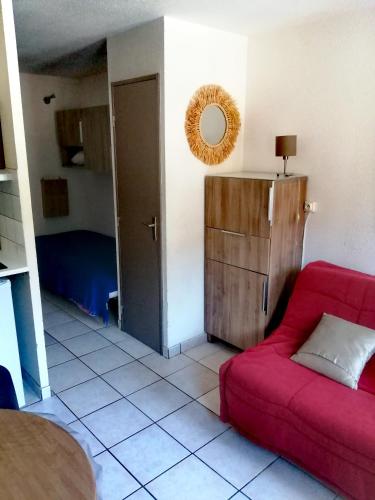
<point x="204" y="96"/>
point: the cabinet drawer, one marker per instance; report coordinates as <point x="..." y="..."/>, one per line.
<point x="239" y="205"/>
<point x="234" y="300"/>
<point x="237" y="249"/>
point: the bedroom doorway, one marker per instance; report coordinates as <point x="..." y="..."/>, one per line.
<point x="137" y="159"/>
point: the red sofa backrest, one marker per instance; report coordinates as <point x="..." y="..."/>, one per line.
<point x="323" y="287"/>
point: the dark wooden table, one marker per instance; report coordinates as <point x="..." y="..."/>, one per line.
<point x="40" y="460"/>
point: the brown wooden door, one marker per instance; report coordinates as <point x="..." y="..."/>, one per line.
<point x="96" y="138"/>
<point x="238" y="205"/>
<point x="68" y="123"/>
<point x="234" y="304"/>
<point x="136" y="112"/>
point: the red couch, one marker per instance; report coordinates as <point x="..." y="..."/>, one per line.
<point x="319" y="424"/>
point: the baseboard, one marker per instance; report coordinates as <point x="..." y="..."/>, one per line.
<point x="42" y="392"/>
<point x="193" y="342"/>
<point x="170" y="352"/>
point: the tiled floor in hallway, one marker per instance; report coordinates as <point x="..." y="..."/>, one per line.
<point x="151" y="422"/>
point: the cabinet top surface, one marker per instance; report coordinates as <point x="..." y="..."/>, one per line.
<point x="267" y="176"/>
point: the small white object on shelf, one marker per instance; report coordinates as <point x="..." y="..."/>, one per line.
<point x="8" y="174"/>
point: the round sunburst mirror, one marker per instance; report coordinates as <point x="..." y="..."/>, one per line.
<point x="212" y="124"/>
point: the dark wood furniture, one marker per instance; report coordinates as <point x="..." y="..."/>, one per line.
<point x="40" y="460"/>
<point x="87" y="130"/>
<point x="55" y="198"/>
<point x="254" y="227"/>
<point x="2" y="156"/>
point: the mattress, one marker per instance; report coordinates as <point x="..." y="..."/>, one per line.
<point x="79" y="266"/>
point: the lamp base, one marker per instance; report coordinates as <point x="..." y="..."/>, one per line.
<point x="284" y="174"/>
<point x="281" y="174"/>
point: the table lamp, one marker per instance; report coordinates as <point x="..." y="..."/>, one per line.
<point x="285" y="146"/>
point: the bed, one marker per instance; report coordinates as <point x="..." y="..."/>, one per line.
<point x="80" y="266"/>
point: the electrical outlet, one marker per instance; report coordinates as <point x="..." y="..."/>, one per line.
<point x="310" y="207"/>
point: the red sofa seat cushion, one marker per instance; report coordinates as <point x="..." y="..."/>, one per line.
<point x="320" y="424"/>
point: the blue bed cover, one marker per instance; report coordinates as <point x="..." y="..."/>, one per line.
<point x="80" y="266"/>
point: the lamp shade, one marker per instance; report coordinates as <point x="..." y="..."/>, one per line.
<point x="286" y="145"/>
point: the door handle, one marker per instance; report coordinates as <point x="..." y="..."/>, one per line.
<point x="154" y="227"/>
<point x="265" y="296"/>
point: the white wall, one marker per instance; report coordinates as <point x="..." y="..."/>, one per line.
<point x="136" y="53"/>
<point x="317" y="80"/>
<point x="90" y="193"/>
<point x="27" y="304"/>
<point x="194" y="56"/>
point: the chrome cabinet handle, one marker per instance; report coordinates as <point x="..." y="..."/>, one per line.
<point x="234" y="233"/>
<point x="154" y="227"/>
<point x="265" y="296"/>
<point x="270" y="204"/>
<point x="80" y="132"/>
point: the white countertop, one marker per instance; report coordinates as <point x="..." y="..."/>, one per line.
<point x="15" y="265"/>
<point x="268" y="176"/>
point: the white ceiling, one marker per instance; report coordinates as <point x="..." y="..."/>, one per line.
<point x="52" y="33"/>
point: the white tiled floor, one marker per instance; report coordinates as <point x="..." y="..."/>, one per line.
<point x="151" y="422"/>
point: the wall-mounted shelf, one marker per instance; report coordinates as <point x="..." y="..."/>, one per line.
<point x="14" y="265"/>
<point x="8" y="174"/>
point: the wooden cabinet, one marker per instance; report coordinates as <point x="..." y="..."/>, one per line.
<point x="96" y="138"/>
<point x="69" y="128"/>
<point x="253" y="250"/>
<point x="85" y="130"/>
<point x="2" y="155"/>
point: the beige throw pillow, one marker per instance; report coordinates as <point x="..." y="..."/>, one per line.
<point x="338" y="349"/>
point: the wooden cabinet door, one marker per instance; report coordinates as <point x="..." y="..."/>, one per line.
<point x="69" y="132"/>
<point x="96" y="138"/>
<point x="238" y="205"/>
<point x="234" y="304"/>
<point x="2" y="155"/>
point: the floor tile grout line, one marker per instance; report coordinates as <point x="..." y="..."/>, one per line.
<point x="102" y="335"/>
<point x="82" y="361"/>
<point x="58" y="324"/>
<point x="90" y="431"/>
<point x="157" y="424"/>
<point x="75" y="385"/>
<point x="114" y="343"/>
<point x="56" y="302"/>
<point x="92" y="352"/>
<point x="150" y="425"/>
<point x="154" y="422"/>
<point x="136" y="491"/>
<point x="259" y="473"/>
<point x="74" y="318"/>
<point x="169" y="374"/>
<point x="151" y="495"/>
<point x="126" y="397"/>
<point x="216" y="472"/>
<point x="166" y="470"/>
<point x="173" y="437"/>
<point x="76" y="336"/>
<point x="161" y="378"/>
<point x="125" y="364"/>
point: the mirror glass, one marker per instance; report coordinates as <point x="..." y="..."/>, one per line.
<point x="213" y="124"/>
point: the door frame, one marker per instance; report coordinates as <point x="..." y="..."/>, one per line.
<point x="161" y="241"/>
